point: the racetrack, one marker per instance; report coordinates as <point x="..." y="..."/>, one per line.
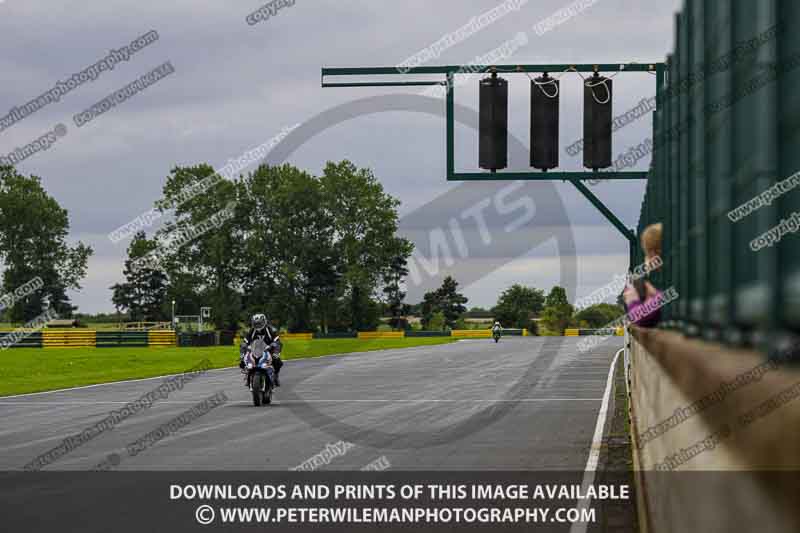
<point x="527" y="403"/>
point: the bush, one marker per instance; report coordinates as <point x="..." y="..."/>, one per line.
<point x="598" y="316"/>
<point x="437" y="322"/>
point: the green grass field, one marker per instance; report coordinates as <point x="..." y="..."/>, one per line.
<point x="35" y="369"/>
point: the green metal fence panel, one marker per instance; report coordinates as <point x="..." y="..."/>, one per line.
<point x="788" y="265"/>
<point x="205" y="338"/>
<point x="111" y="339"/>
<point x="696" y="168"/>
<point x="751" y="146"/>
<point x="226" y="338"/>
<point x="682" y="170"/>
<point x="718" y="165"/>
<point x="662" y="187"/>
<point x="725" y="131"/>
<point x="673" y="160"/>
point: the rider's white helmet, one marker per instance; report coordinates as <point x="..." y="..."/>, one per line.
<point x="259" y="321"/>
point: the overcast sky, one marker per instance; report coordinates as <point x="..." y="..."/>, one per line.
<point x="236" y="85"/>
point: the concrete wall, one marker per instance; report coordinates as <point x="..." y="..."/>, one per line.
<point x="716" y="436"/>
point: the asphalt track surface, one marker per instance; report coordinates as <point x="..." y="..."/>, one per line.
<point x="526" y="403"/>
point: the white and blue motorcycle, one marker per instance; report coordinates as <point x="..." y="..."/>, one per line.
<point x="257" y="366"/>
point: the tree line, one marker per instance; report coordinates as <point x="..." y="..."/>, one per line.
<point x="313" y="252"/>
<point x="517" y="307"/>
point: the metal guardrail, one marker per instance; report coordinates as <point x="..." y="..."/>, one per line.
<point x="297" y="336"/>
<point x="68" y="338"/>
<point x="34" y="340"/>
<point x="112" y="339"/>
<point x="381" y="334"/>
<point x="85" y="338"/>
<point x="579" y="332"/>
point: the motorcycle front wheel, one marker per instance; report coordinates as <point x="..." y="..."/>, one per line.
<point x="258" y="386"/>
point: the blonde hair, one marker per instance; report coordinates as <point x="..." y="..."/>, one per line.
<point x="651" y="240"/>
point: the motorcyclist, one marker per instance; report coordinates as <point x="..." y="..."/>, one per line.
<point x="496" y="328"/>
<point x="262" y="329"/>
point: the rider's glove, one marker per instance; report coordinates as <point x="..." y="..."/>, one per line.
<point x="241" y="363"/>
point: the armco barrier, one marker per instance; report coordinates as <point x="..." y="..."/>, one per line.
<point x="161" y="338"/>
<point x="206" y="338"/>
<point x="698" y="407"/>
<point x="69" y="338"/>
<point x="86" y="338"/>
<point x="227" y="338"/>
<point x="297" y="336"/>
<point x="336" y="335"/>
<point x="471" y="333"/>
<point x="113" y="339"/>
<point x="575" y="332"/>
<point x="381" y="334"/>
<point x="34" y="340"/>
<point x="417" y="333"/>
<point x="618" y="332"/>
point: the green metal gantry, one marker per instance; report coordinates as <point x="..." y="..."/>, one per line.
<point x="450" y="71"/>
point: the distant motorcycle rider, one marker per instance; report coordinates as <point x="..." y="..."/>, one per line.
<point x="497" y="330"/>
<point x="262" y="329"/>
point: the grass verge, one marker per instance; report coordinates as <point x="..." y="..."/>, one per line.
<point x="24" y="370"/>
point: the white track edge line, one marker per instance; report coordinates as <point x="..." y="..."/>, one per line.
<point x="594" y="451"/>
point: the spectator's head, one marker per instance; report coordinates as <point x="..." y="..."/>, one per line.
<point x="651" y="244"/>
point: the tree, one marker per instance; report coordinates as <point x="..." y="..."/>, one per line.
<point x="201" y="247"/>
<point x="392" y="278"/>
<point x="364" y="223"/>
<point x="557" y="310"/>
<point x="598" y="316"/>
<point x="33" y="243"/>
<point x="517" y="305"/>
<point x="446" y="300"/>
<point x="451" y="301"/>
<point x="428" y="308"/>
<point x="144" y="291"/>
<point x="288" y="223"/>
